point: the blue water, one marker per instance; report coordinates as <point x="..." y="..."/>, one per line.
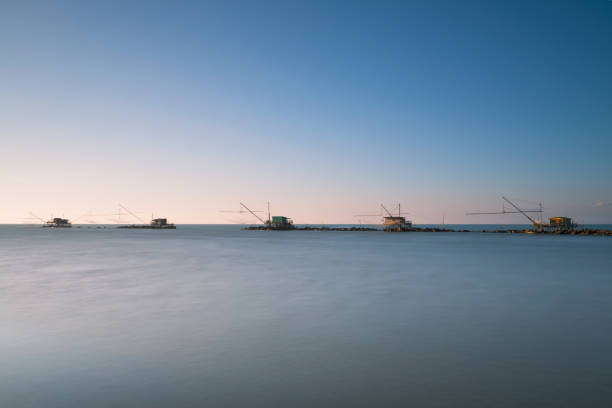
<point x="214" y="316"/>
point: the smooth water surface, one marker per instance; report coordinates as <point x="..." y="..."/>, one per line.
<point x="214" y="316"/>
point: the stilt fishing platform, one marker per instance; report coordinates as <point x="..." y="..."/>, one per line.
<point x="156" y="223"/>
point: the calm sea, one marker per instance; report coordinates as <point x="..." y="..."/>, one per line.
<point x="211" y="316"/>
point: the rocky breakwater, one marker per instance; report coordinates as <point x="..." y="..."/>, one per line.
<point x="307" y="228"/>
<point x="584" y="231"/>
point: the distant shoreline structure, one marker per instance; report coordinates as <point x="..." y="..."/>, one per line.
<point x="391" y="222"/>
<point x="581" y="232"/>
<point x="157" y="223"/>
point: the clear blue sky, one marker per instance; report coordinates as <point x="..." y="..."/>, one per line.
<point x="324" y="108"/>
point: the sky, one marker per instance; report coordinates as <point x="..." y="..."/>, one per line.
<point x="324" y="109"/>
